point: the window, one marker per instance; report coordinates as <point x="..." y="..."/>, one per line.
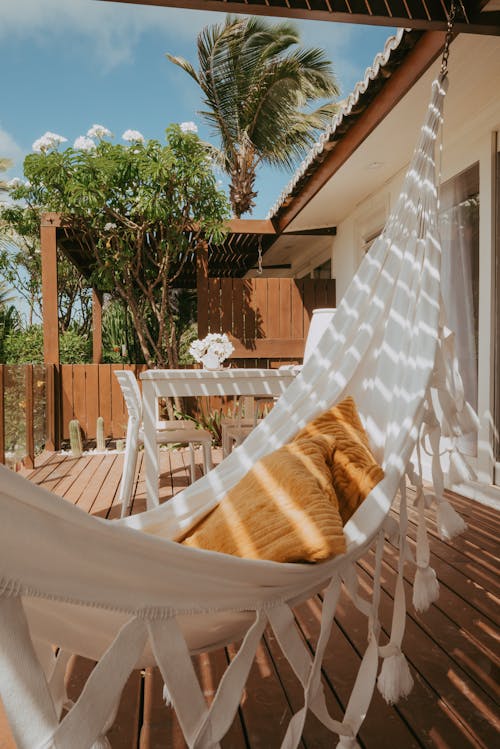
<point x="369" y="240"/>
<point x="459" y="228"/>
<point x="322" y="271"/>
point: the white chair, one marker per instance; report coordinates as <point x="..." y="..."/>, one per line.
<point x="235" y="430"/>
<point x="168" y="432"/>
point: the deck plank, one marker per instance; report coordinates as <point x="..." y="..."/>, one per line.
<point x="452" y="648"/>
<point x="124" y="732"/>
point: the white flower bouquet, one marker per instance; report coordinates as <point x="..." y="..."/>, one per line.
<point x="212" y="350"/>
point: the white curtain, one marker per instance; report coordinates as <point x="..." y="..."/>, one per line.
<point x="459" y="229"/>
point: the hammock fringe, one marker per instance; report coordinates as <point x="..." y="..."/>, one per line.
<point x="425" y="588"/>
<point x="449" y="523"/>
<point x="395" y="680"/>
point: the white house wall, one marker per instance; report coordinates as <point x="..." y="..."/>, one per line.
<point x="359" y="197"/>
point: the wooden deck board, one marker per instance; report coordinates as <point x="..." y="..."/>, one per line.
<point x="452" y="649"/>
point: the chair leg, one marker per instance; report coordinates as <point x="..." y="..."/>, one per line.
<point x="207" y="457"/>
<point x="129" y="465"/>
<point x="226" y="442"/>
<point x="193" y="464"/>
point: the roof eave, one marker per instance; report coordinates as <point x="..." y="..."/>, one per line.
<point x="380" y="95"/>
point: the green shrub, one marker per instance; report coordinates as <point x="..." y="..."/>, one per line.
<point x="26" y="347"/>
<point x="74" y="348"/>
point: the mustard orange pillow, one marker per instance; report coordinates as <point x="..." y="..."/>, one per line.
<point x="292" y="505"/>
<point x="354" y="469"/>
<point x="285" y="509"/>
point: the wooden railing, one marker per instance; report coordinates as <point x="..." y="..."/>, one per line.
<point x="38" y="402"/>
<point x="267" y="319"/>
<point x="89" y="391"/>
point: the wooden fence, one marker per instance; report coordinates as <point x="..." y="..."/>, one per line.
<point x="89" y="391"/>
<point x="266" y="318"/>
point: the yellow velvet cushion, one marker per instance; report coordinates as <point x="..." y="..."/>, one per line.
<point x="284" y="509"/>
<point x="354" y="470"/>
<point x="293" y="503"/>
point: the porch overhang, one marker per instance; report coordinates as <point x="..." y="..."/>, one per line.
<point x="426" y="15"/>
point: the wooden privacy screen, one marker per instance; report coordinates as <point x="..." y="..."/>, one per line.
<point x="266" y="318"/>
<point x="92" y="390"/>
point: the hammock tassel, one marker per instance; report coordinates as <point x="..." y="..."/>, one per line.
<point x="425" y="584"/>
<point x="425" y="588"/>
<point x="449" y="522"/>
<point x="395" y="680"/>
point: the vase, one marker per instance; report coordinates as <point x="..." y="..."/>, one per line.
<point x="211" y="362"/>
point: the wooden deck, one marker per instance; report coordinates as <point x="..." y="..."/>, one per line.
<point x="452" y="649"/>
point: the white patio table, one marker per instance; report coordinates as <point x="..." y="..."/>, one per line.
<point x="162" y="383"/>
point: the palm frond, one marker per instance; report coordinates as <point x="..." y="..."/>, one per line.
<point x="184" y="65"/>
<point x="260" y="94"/>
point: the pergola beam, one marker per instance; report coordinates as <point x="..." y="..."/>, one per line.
<point x="48" y="249"/>
<point x="428" y="17"/>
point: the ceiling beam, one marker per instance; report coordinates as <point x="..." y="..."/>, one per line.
<point x="478" y="23"/>
<point x="251" y="226"/>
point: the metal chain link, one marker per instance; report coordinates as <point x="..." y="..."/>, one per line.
<point x="448" y="38"/>
<point x="259" y="260"/>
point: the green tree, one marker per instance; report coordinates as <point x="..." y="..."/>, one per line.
<point x="258" y="88"/>
<point x="20" y="265"/>
<point x="137" y="213"/>
<point x="9" y="318"/>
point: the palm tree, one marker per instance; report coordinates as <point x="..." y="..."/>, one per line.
<point x="258" y="93"/>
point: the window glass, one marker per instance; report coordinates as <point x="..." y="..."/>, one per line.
<point x="322" y="271"/>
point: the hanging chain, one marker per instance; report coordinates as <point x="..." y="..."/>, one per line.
<point x="259" y="259"/>
<point x="448" y="39"/>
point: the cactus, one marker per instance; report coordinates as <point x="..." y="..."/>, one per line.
<point x="100" y="439"/>
<point x="75" y="438"/>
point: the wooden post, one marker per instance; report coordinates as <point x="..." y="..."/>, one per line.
<point x="202" y="287"/>
<point x="2" y="413"/>
<point x="48" y="246"/>
<point x="52" y="408"/>
<point x="29" y="460"/>
<point x="96" y="326"/>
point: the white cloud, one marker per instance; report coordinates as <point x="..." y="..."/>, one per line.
<point x="110" y="30"/>
<point x="9" y="149"/>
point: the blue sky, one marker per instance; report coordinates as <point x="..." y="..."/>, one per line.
<point x="67" y="64"/>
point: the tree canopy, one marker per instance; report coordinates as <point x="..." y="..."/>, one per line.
<point x="137" y="212"/>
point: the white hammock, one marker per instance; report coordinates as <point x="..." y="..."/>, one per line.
<point x="109" y="591"/>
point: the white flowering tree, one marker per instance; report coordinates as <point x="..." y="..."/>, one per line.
<point x="137" y="211"/>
